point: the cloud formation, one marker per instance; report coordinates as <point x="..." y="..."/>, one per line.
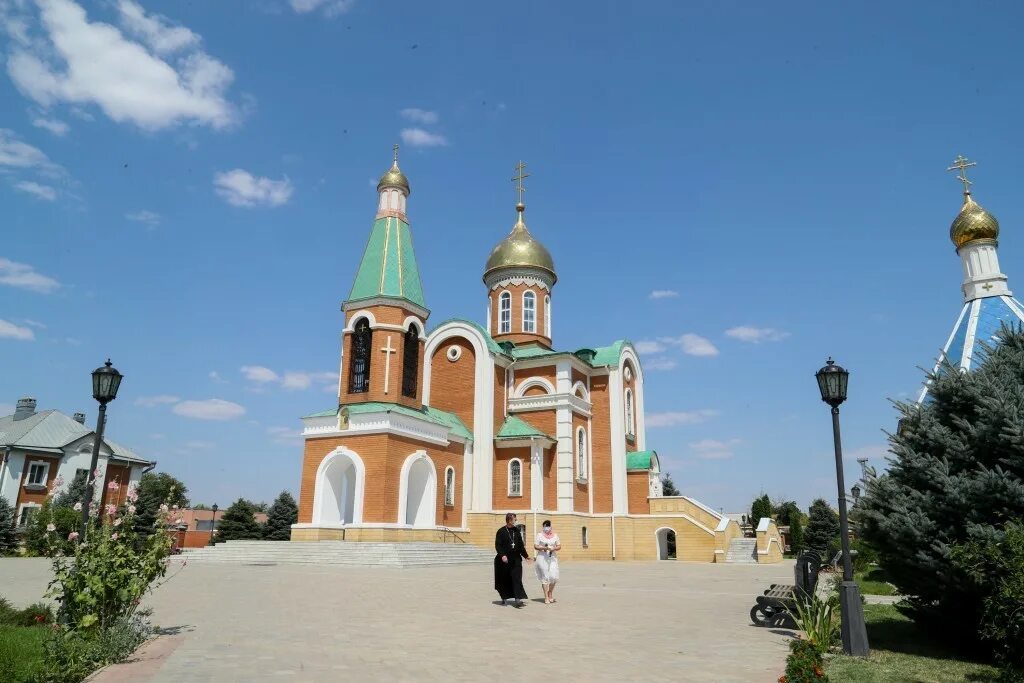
<point x="421" y="116"/>
<point x="44" y="192"/>
<point x="291" y="380"/>
<point x="659" y="363"/>
<point x="331" y="8"/>
<point x="241" y="188"/>
<point x="150" y="219"/>
<point x="673" y="419"/>
<point x="664" y="294"/>
<point x="692" y="344"/>
<point x="209" y="409"/>
<point x="24" y="276"/>
<point x="9" y="330"/>
<point x="58" y="128"/>
<point x="712" y="449"/>
<point x="417" y="137"/>
<point x="149" y="72"/>
<point x="756" y="335"/>
<point x="151" y="401"/>
<point x="20" y="155"/>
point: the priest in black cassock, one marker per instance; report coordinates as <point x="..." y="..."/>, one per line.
<point x="508" y="563"/>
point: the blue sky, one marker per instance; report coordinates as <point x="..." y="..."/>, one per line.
<point x="187" y="188"/>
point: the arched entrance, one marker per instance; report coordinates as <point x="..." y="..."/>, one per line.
<point x="418" y="496"/>
<point x="338" y="498"/>
<point x="666" y="538"/>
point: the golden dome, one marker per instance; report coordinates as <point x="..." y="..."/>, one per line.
<point x="394" y="178"/>
<point x="520" y="250"/>
<point x="973" y="223"/>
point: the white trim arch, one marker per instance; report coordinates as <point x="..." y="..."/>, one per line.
<point x="629" y="406"/>
<point x="511" y="493"/>
<point x="639" y="421"/>
<point x="582" y="454"/>
<point x="580" y="390"/>
<point x="531" y="382"/>
<point x="503" y="297"/>
<point x="419" y="323"/>
<point x="356" y="315"/>
<point x="449" y="490"/>
<point x="425" y="512"/>
<point x="327" y="503"/>
<point x="662" y="542"/>
<point x="531" y="296"/>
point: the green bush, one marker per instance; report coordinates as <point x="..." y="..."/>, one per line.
<point x="817" y="619"/>
<point x="238" y="523"/>
<point x="8" y="535"/>
<point x="822" y="533"/>
<point x="283" y="513"/>
<point x="40" y="541"/>
<point x="805" y="663"/>
<point x="37" y="613"/>
<point x="865" y="556"/>
<point x="70" y="655"/>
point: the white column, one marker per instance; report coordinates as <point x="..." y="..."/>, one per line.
<point x="982" y="277"/>
<point x="467" y="482"/>
<point x="620" y="494"/>
<point x="536" y="475"/>
<point x="483" y="432"/>
<point x="563" y="433"/>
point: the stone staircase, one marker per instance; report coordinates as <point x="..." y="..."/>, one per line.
<point x="742" y="551"/>
<point x="349" y="553"/>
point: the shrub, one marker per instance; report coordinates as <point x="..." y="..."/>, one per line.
<point x="822" y="533"/>
<point x="761" y="507"/>
<point x="283" y="513"/>
<point x="238" y="523"/>
<point x="70" y="655"/>
<point x="8" y="536"/>
<point x="805" y="663"/>
<point x="39" y="540"/>
<point x="817" y="619"/>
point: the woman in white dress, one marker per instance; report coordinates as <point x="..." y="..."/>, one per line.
<point x="547" y="545"/>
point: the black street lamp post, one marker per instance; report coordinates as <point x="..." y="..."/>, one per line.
<point x="213" y="524"/>
<point x="832" y="382"/>
<point x="105" y="382"/>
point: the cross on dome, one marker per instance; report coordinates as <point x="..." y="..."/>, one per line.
<point x="518" y="178"/>
<point x="962" y="164"/>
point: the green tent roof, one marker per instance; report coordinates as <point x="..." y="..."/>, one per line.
<point x="517" y="428"/>
<point x="388" y="267"/>
<point x="435" y="415"/>
<point x="639" y="460"/>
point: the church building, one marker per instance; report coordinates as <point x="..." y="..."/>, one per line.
<point x="988" y="302"/>
<point x="436" y="435"/>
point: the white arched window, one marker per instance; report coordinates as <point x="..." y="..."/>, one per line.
<point x="505" y="313"/>
<point x="547" y="315"/>
<point x="629" y="412"/>
<point x="581" y="454"/>
<point x="449" y="486"/>
<point x="515" y="477"/>
<point x="529" y="312"/>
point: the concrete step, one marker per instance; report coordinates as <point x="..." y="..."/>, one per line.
<point x="742" y="551"/>
<point x="419" y="554"/>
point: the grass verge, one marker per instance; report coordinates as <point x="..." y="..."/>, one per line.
<point x="873" y="582"/>
<point x="21" y="653"/>
<point x="900" y="651"/>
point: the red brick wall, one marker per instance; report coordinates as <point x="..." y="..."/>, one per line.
<point x="502" y="501"/>
<point x="453" y="384"/>
<point x="541" y="336"/>
<point x="637" y="484"/>
<point x="601" y="477"/>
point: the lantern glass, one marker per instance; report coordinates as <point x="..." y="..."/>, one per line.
<point x="832" y="383"/>
<point x="105" y="383"/>
<point x="855" y="491"/>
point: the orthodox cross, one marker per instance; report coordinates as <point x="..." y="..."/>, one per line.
<point x="387" y="351"/>
<point x="962" y="164"/>
<point x="396" y="153"/>
<point x="987" y="286"/>
<point x="519" y="177"/>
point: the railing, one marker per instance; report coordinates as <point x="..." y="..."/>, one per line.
<point x="445" y="531"/>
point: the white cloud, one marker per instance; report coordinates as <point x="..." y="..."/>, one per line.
<point x="258" y="373"/>
<point x="712" y="449"/>
<point x="284" y="434"/>
<point x="692" y="344"/>
<point x="199" y="445"/>
<point x="25" y="276"/>
<point x="34" y="323"/>
<point x="332" y="8"/>
<point x="155" y="30"/>
<point x="209" y="409"/>
<point x="417" y="137"/>
<point x="241" y="188"/>
<point x="17" y="154"/>
<point x="664" y="294"/>
<point x="672" y="419"/>
<point x="9" y="330"/>
<point x="659" y="363"/>
<point x="151" y="401"/>
<point x="756" y="335"/>
<point x="55" y="126"/>
<point x="150" y="219"/>
<point x="643" y="347"/>
<point x="76" y="61"/>
<point x="421" y="116"/>
<point x="215" y="376"/>
<point x="296" y="380"/>
<point x="41" y="191"/>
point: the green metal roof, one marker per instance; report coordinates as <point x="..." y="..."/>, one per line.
<point x="388" y="267"/>
<point x="609" y="355"/>
<point x="533" y="351"/>
<point x="430" y="414"/>
<point x="491" y="344"/>
<point x="639" y="460"/>
<point x="517" y="428"/>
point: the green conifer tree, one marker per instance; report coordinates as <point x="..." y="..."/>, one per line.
<point x="283" y="513"/>
<point x="238" y="523"/>
<point x="796" y="533"/>
<point x="8" y="536"/>
<point x="822" y="534"/>
<point x="761" y="507"/>
<point x="668" y="487"/>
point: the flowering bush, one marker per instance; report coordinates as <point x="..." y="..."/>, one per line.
<point x="805" y="663"/>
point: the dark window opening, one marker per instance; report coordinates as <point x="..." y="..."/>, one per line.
<point x="410" y="361"/>
<point x="359" y="365"/>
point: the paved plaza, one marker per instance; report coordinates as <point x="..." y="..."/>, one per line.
<point x="613" y="621"/>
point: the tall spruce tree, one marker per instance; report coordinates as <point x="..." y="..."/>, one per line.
<point x="956" y="476"/>
<point x="238" y="523"/>
<point x="283" y="513"/>
<point x="8" y="536"/>
<point x="156" y="489"/>
<point x="796" y="533"/>
<point x="822" y="534"/>
<point x="761" y="507"/>
<point x="668" y="487"/>
<point x="74" y="493"/>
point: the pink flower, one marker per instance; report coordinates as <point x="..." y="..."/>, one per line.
<point x="73" y="536"/>
<point x="110" y="509"/>
<point x="132" y="494"/>
<point x="51" y="527"/>
<point x="113" y="537"/>
<point x="113" y="486"/>
<point x="163" y="507"/>
<point x="131" y="509"/>
<point x="117" y="522"/>
<point x="96" y="473"/>
<point x="78" y="507"/>
<point x="58" y="482"/>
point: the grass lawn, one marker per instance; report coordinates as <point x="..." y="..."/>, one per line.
<point x="873" y="582"/>
<point x="21" y="652"/>
<point x="900" y="651"/>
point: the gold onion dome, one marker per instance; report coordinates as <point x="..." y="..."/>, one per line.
<point x="973" y="223"/>
<point x="520" y="250"/>
<point x="394" y="178"/>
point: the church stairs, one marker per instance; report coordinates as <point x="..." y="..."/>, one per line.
<point x="742" y="551"/>
<point x="355" y="554"/>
